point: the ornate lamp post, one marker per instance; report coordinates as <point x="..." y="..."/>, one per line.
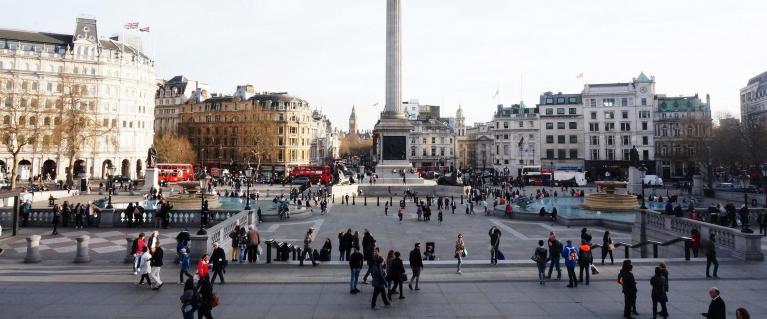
<point x="248" y="175"/>
<point x="111" y="172"/>
<point x="643" y="169"/>
<point x="203" y="178"/>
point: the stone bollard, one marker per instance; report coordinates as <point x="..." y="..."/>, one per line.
<point x="83" y="255"/>
<point x="378" y="201"/>
<point x="33" y="250"/>
<point x="129" y="249"/>
<point x="366" y="200"/>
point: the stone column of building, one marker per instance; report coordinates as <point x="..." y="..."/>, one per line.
<point x="393" y="106"/>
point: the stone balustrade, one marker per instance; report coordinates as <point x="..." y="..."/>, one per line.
<point x="729" y="241"/>
<point x="117" y="218"/>
<point x="219" y="233"/>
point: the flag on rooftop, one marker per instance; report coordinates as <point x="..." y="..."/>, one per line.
<point x="131" y="25"/>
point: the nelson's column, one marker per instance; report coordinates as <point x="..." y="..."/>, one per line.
<point x="392" y="128"/>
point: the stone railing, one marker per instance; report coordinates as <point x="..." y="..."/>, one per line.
<point x="729" y="241"/>
<point x="117" y="218"/>
<point x="219" y="233"/>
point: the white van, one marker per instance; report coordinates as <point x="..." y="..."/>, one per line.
<point x="652" y="180"/>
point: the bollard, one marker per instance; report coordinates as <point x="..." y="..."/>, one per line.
<point x="687" y="250"/>
<point x="654" y="250"/>
<point x="268" y="251"/>
<point x="461" y="198"/>
<point x="352" y="200"/>
<point x="627" y="247"/>
<point x="129" y="257"/>
<point x="83" y="255"/>
<point x="378" y="201"/>
<point x="334" y="199"/>
<point x="297" y="253"/>
<point x="33" y="250"/>
<point x="366" y="200"/>
<point x="391" y="200"/>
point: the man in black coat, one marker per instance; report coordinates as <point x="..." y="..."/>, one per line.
<point x="716" y="309"/>
<point x="355" y="266"/>
<point x="626" y="279"/>
<point x="156" y="263"/>
<point x="495" y="242"/>
<point x="396" y="270"/>
<point x="218" y="259"/>
<point x="348" y="240"/>
<point x="416" y="265"/>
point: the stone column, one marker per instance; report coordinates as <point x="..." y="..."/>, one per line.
<point x="33" y="250"/>
<point x="393" y="106"/>
<point x="83" y="255"/>
<point x="129" y="256"/>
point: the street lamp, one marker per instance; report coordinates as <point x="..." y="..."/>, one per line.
<point x="111" y="171"/>
<point x="203" y="178"/>
<point x="643" y="169"/>
<point x="248" y="175"/>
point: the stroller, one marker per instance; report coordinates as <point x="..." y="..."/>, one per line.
<point x="429" y="252"/>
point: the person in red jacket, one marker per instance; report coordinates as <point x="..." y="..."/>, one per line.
<point x="695" y="234"/>
<point x="138" y="249"/>
<point x="202" y="266"/>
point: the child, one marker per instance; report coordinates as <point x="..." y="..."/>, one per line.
<point x="439" y="217"/>
<point x="400" y="214"/>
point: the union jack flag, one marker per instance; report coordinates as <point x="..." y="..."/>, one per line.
<point x="131" y="25"/>
<point x="144" y="29"/>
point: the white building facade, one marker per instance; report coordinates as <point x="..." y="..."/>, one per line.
<point x="516" y="136"/>
<point x="172" y="93"/>
<point x="561" y="131"/>
<point x="120" y="82"/>
<point x="617" y="117"/>
<point x="753" y="101"/>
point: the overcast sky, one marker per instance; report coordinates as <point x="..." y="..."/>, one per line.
<point x="332" y="52"/>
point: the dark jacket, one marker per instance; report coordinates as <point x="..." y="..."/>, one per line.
<point x="495" y="237"/>
<point x="716" y="309"/>
<point x="542" y="255"/>
<point x="629" y="284"/>
<point x="710" y="248"/>
<point x="347" y="240"/>
<point x="157" y="257"/>
<point x="206" y="291"/>
<point x="379" y="277"/>
<point x="217" y="258"/>
<point x="659" y="287"/>
<point x="555" y="248"/>
<point x="415" y="258"/>
<point x="368" y="243"/>
<point x="355" y="260"/>
<point x="396" y="268"/>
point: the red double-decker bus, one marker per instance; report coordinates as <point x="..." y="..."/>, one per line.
<point x="316" y="173"/>
<point x="173" y="173"/>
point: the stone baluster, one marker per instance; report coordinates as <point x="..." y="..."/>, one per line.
<point x="83" y="253"/>
<point x="33" y="249"/>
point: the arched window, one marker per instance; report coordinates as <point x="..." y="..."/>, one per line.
<point x="6" y="120"/>
<point x="33" y="121"/>
<point x="47" y="121"/>
<point x="22" y="120"/>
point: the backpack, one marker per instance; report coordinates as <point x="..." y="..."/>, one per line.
<point x="571" y="255"/>
<point x="586" y="257"/>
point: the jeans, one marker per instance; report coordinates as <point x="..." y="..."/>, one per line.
<point x="341" y="255"/>
<point x="587" y="268"/>
<point x="155" y="274"/>
<point x="187" y="311"/>
<point x="459" y="261"/>
<point x="354" y="278"/>
<point x="629" y="299"/>
<point x="416" y="275"/>
<point x="494" y="255"/>
<point x="555" y="261"/>
<point x="311" y="257"/>
<point x="376" y="292"/>
<point x="397" y="283"/>
<point x="219" y="273"/>
<point x="148" y="281"/>
<point x="243" y="252"/>
<point x="663" y="310"/>
<point x="136" y="261"/>
<point x="571" y="276"/>
<point x="711" y="260"/>
<point x="252" y="254"/>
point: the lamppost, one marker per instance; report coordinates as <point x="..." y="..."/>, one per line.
<point x="111" y="172"/>
<point x="248" y="175"/>
<point x="203" y="178"/>
<point x="643" y="169"/>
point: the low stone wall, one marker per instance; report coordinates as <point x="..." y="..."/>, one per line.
<point x="422" y="190"/>
<point x="219" y="233"/>
<point x="651" y="225"/>
<point x="116" y="218"/>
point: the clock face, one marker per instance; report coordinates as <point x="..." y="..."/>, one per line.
<point x="643" y="89"/>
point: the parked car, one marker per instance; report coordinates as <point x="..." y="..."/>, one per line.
<point x="653" y="180"/>
<point x="121" y="178"/>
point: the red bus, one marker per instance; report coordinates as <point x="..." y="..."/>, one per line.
<point x="316" y="173"/>
<point x="173" y="173"/>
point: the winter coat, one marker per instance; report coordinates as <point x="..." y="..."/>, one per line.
<point x="185" y="262"/>
<point x="585" y="257"/>
<point x="379" y="277"/>
<point x="629" y="284"/>
<point x="145" y="266"/>
<point x="659" y="287"/>
<point x="415" y="258"/>
<point x="566" y="255"/>
<point x="355" y="260"/>
<point x="396" y="269"/>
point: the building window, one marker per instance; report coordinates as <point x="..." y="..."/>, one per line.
<point x="549" y="139"/>
<point x="610" y="154"/>
<point x="593" y="127"/>
<point x="561" y="125"/>
<point x="561" y="139"/>
<point x="560" y="110"/>
<point x="573" y="153"/>
<point x="572" y="109"/>
<point x="595" y="155"/>
<point x="610" y="140"/>
<point x="626" y="155"/>
<point x="645" y="140"/>
<point x="609" y="115"/>
<point x="433" y="140"/>
<point x="624" y="101"/>
<point x="644" y="126"/>
<point x="549" y="154"/>
<point x="521" y="123"/>
<point x="595" y="140"/>
<point x="644" y="114"/>
<point x="608" y="102"/>
<point x="560" y="100"/>
<point x="609" y="127"/>
<point x="573" y="139"/>
<point x="412" y="151"/>
<point x="646" y="155"/>
<point x="625" y="114"/>
<point x="561" y="154"/>
<point x="626" y="139"/>
<point x="549" y="125"/>
<point x="593" y="115"/>
<point x="433" y="151"/>
<point x="573" y="125"/>
<point x="549" y="101"/>
<point x="625" y="126"/>
<point x="644" y="101"/>
<point x="549" y="111"/>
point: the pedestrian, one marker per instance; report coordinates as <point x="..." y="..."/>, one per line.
<point x="348" y="241"/>
<point x="153" y="239"/>
<point x="762" y="219"/>
<point x="742" y="313"/>
<point x="188" y="300"/>
<point x="203" y="266"/>
<point x="56" y="218"/>
<point x="26" y="208"/>
<point x="218" y="259"/>
<point x="307" y="248"/>
<point x="695" y="245"/>
<point x="254" y="239"/>
<point x="710" y="248"/>
<point x="242" y="244"/>
<point x="79" y="212"/>
<point x="389" y="279"/>
<point x="416" y="265"/>
<point x="439" y="217"/>
<point x="555" y="251"/>
<point x="540" y="256"/>
<point x="386" y="209"/>
<point x="629" y="288"/>
<point x="570" y="254"/>
<point x="341" y="247"/>
<point x="659" y="284"/>
<point x="396" y="271"/>
<point x="372" y="261"/>
<point x="182" y="241"/>
<point x="207" y="301"/>
<point x="233" y="235"/>
<point x="460" y="251"/>
<point x="145" y="267"/>
<point x="585" y="257"/>
<point x="379" y="283"/>
<point x="495" y="242"/>
<point x="717" y="308"/>
<point x="607" y="247"/>
<point x="400" y="214"/>
<point x="157" y="256"/>
<point x="355" y="266"/>
<point x="184" y="264"/>
<point x="137" y="247"/>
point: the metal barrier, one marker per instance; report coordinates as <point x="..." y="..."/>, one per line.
<point x="627" y="246"/>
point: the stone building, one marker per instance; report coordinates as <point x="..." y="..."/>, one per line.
<point x="753" y="101"/>
<point x="170" y="95"/>
<point x="119" y="84"/>
<point x="515" y="131"/>
<point x="561" y="131"/>
<point x="432" y="141"/>
<point x="682" y="130"/>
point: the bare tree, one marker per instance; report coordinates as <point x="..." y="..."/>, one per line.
<point x="20" y="111"/>
<point x="77" y="126"/>
<point x="173" y="148"/>
<point x="259" y="136"/>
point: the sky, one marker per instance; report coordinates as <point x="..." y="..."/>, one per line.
<point x="332" y="52"/>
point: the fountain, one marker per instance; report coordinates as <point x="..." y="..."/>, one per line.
<point x="608" y="200"/>
<point x="189" y="198"/>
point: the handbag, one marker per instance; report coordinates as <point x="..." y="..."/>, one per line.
<point x="403" y="277"/>
<point x="610" y="247"/>
<point x="214" y="301"/>
<point x="465" y="252"/>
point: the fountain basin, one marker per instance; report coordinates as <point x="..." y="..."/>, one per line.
<point x="608" y="200"/>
